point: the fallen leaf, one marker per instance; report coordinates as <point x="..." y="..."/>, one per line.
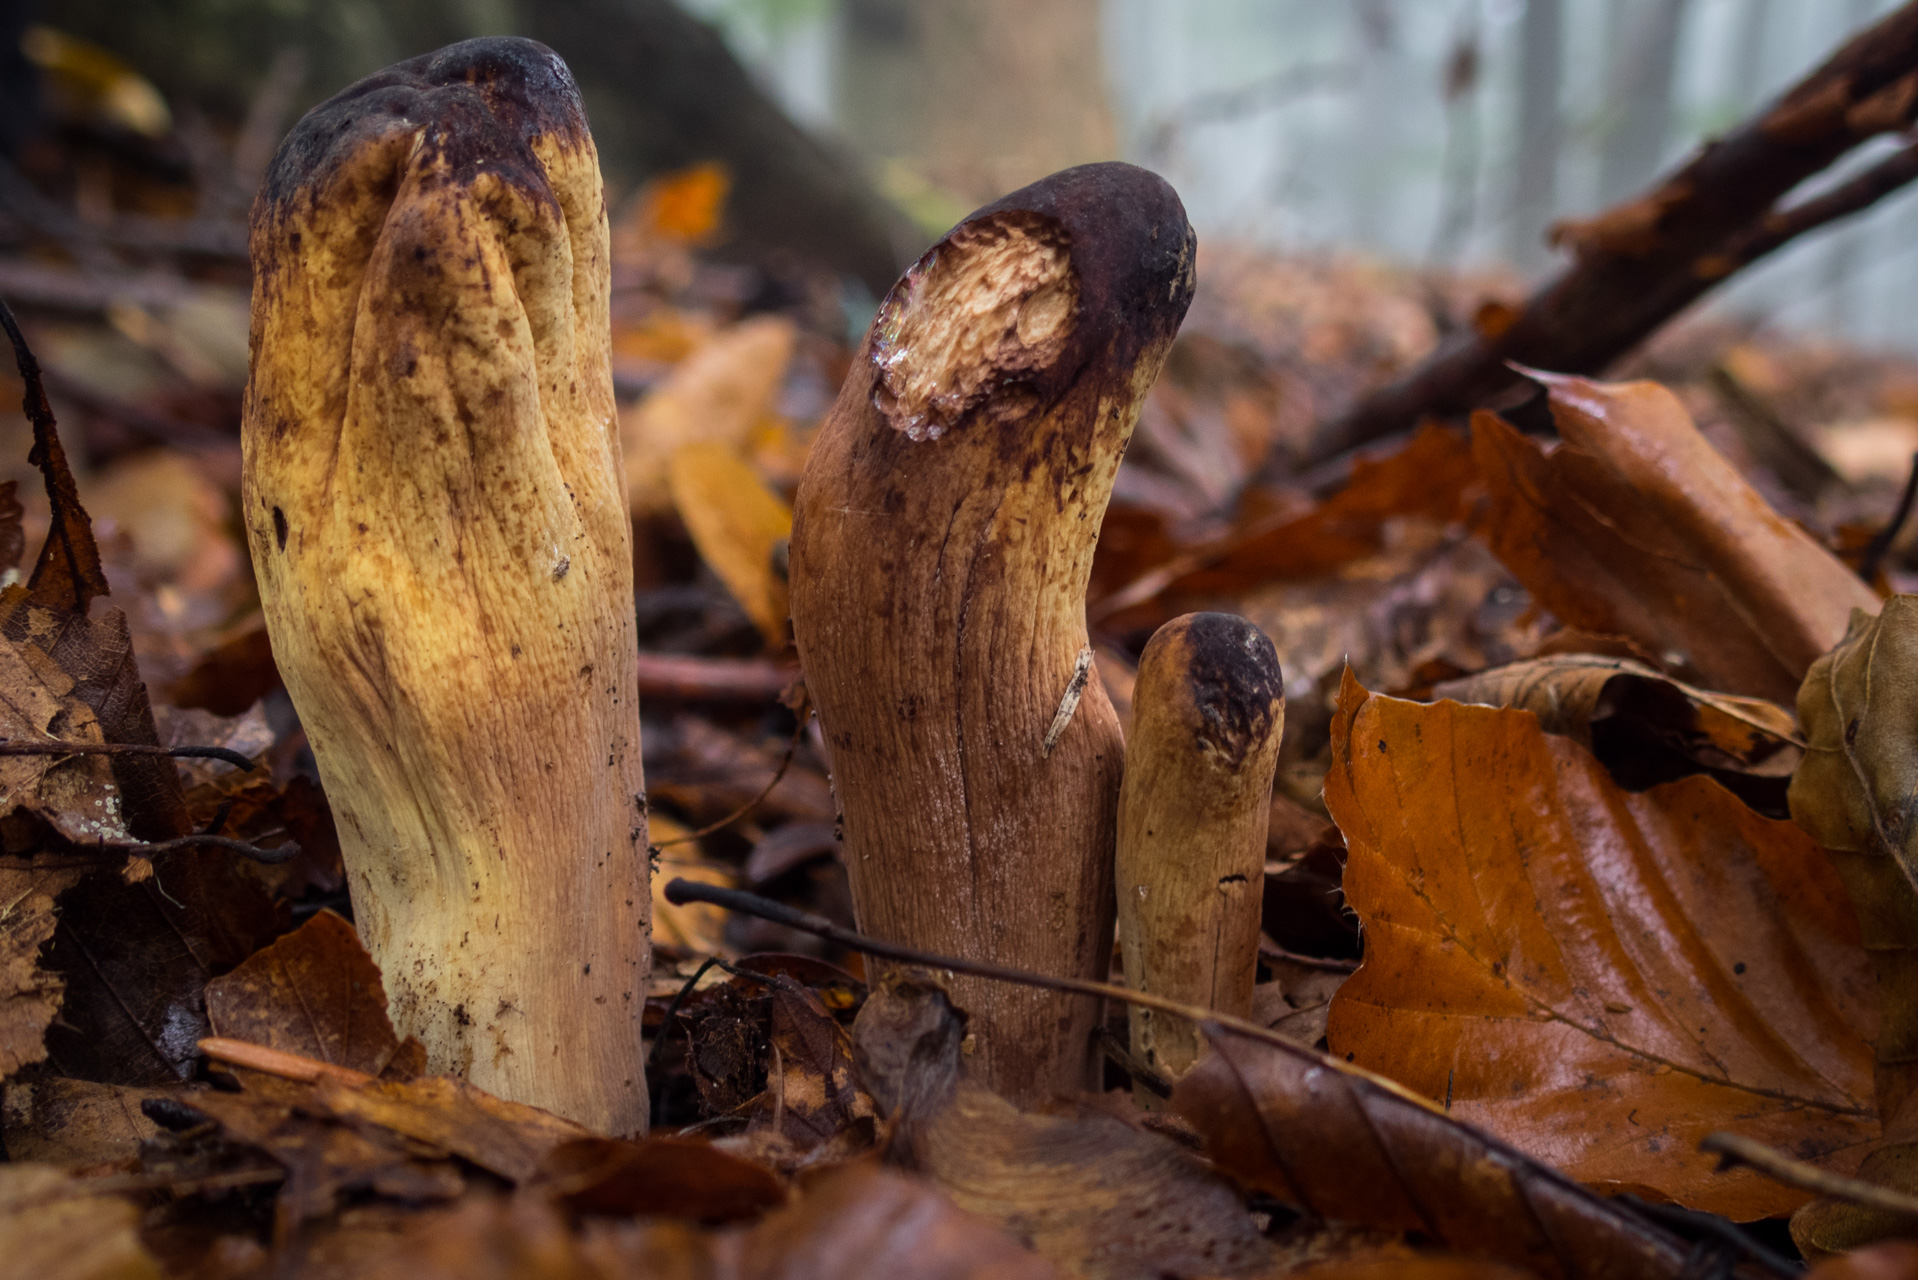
<point x="75" y="1123"/>
<point x="736" y="523"/>
<point x="315" y="992"/>
<point x="660" y="1177"/>
<point x="813" y="1096"/>
<point x="686" y="205"/>
<point x="1636" y="526"/>
<point x="136" y="959"/>
<point x="1348" y="1146"/>
<point x="29" y="995"/>
<point x="1647" y="727"/>
<point x="1853" y="793"/>
<point x="1893" y="1260"/>
<point x="856" y="1222"/>
<point x="1097" y="1197"/>
<point x="53" y="1228"/>
<point x="509" y="1139"/>
<point x="715" y="395"/>
<point x="1600" y="978"/>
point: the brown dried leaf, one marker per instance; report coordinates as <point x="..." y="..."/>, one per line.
<point x="1598" y="977"/>
<point x="813" y="1096"/>
<point x="1853" y="793"/>
<point x="1352" y="1147"/>
<point x="315" y="992"/>
<point x="52" y="1228"/>
<point x="29" y="995"/>
<point x="660" y="1177"/>
<point x="1636" y="526"/>
<point x="75" y="1123"/>
<point x="510" y="1139"/>
<point x="856" y="1222"/>
<point x="736" y="523"/>
<point x="1096" y="1196"/>
<point x="13" y="538"/>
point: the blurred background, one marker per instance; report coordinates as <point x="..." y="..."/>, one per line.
<point x="1432" y="133"/>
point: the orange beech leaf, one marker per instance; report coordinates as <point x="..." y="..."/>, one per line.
<point x="1598" y="977"/>
<point x="1636" y="526"/>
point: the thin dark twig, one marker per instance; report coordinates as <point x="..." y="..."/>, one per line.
<point x="1693" y="1222"/>
<point x="1132" y="1064"/>
<point x="271" y="857"/>
<point x="672" y="1011"/>
<point x="785" y="763"/>
<point x="55" y="747"/>
<point x="1269" y="950"/>
<point x="1880" y="544"/>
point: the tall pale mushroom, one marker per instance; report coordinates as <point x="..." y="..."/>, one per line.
<point x="435" y="505"/>
<point x="942" y="540"/>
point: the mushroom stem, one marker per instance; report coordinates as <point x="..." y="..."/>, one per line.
<point x="436" y="510"/>
<point x="1207" y="714"/>
<point x="942" y="541"/>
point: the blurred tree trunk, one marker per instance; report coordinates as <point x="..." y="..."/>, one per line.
<point x="1644" y="58"/>
<point x="976" y="96"/>
<point x="1540" y="132"/>
<point x="661" y="88"/>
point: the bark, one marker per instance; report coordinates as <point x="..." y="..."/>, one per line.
<point x="1207" y="714"/>
<point x="1640" y="263"/>
<point x="434" y="502"/>
<point x="942" y="541"/>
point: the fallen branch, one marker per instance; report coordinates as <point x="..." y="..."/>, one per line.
<point x="1642" y="262"/>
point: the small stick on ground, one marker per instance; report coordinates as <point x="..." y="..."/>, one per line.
<point x="1734" y="1149"/>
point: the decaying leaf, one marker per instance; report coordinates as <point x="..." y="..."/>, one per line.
<point x="1351" y="1147"/>
<point x="315" y="992"/>
<point x="1636" y="526"/>
<point x="53" y="1228"/>
<point x="29" y="995"/>
<point x="1096" y="1196"/>
<point x="736" y="523"/>
<point x="856" y="1222"/>
<point x="75" y="1123"/>
<point x="1647" y="727"/>
<point x="1853" y="793"/>
<point x="1600" y="978"/>
<point x="715" y="395"/>
<point x="663" y="1177"/>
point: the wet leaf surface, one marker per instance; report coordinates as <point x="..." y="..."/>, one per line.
<point x="1600" y="978"/>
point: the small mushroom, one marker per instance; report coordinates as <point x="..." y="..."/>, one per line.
<point x="435" y="504"/>
<point x="1207" y="714"/>
<point x="942" y="540"/>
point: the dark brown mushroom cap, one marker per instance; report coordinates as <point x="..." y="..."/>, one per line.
<point x="479" y="103"/>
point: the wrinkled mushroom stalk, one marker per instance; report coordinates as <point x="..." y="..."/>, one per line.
<point x="942" y="540"/>
<point x="436" y="508"/>
<point x="1208" y="711"/>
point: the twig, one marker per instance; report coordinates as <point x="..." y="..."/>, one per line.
<point x="270" y="857"/>
<point x="792" y="747"/>
<point x="278" y="1062"/>
<point x="1643" y="261"/>
<point x="696" y="679"/>
<point x="1734" y="1149"/>
<point x="1270" y="950"/>
<point x="56" y="747"/>
<point x="1880" y="544"/>
<point x="682" y="891"/>
<point x="1695" y="1222"/>
<point x="1132" y="1064"/>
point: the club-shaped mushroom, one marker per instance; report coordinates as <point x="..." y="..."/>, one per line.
<point x="942" y="540"/>
<point x="436" y="512"/>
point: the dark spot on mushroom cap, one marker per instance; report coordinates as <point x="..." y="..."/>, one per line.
<point x="279" y="527"/>
<point x="1232" y="674"/>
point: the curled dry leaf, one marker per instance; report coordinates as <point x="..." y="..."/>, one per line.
<point x="315" y="992"/>
<point x="53" y="1228"/>
<point x="1599" y="977"/>
<point x="736" y="523"/>
<point x="1853" y="793"/>
<point x="1099" y="1198"/>
<point x="1647" y="727"/>
<point x="1636" y="526"/>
